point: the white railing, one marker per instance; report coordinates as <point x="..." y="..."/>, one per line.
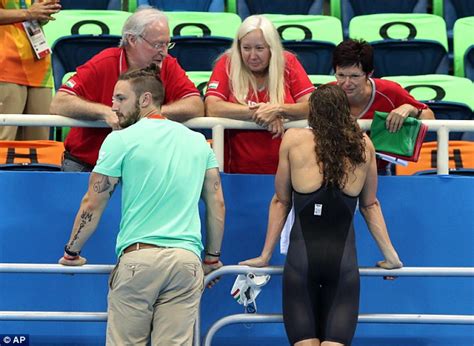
<point x="218" y="125"/>
<point x="363" y="318"/>
<point x="237" y="318"/>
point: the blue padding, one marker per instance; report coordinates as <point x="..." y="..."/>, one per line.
<point x="72" y="51"/>
<point x="199" y="53"/>
<point x="353" y="8"/>
<point x="429" y="219"/>
<point x="186" y="5"/>
<point x="469" y="63"/>
<point x="247" y="8"/>
<point x="409" y="58"/>
<point x="91" y="5"/>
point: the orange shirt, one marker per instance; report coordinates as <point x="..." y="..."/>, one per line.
<point x="18" y="63"/>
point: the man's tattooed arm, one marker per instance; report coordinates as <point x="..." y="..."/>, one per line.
<point x="92" y="206"/>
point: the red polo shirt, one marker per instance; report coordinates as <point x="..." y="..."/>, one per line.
<point x="252" y="151"/>
<point x="95" y="81"/>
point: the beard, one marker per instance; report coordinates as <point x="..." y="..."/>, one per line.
<point x="131" y="118"/>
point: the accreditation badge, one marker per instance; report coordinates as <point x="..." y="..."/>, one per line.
<point x="35" y="35"/>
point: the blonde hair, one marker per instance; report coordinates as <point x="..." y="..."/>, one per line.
<point x="241" y="78"/>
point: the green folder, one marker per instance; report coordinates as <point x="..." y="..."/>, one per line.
<point x="400" y="143"/>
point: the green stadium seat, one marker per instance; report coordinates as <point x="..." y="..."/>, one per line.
<point x="345" y="10"/>
<point x="311" y="38"/>
<point x="464" y="48"/>
<point x="318" y="80"/>
<point x="200" y="79"/>
<point x="201" y="37"/>
<point x="449" y="97"/>
<point x="404" y="44"/>
<point x="245" y="8"/>
<point x="451" y="11"/>
<point x="80" y="22"/>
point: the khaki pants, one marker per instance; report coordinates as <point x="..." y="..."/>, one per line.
<point x="21" y="99"/>
<point x="154" y="293"/>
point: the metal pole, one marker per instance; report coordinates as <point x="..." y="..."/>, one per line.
<point x="53" y="316"/>
<point x="442" y="157"/>
<point x="54" y="268"/>
<point x="218" y="145"/>
<point x="364" y="318"/>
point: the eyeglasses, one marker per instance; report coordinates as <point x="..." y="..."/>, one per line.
<point x="159" y="45"/>
<point x="342" y="77"/>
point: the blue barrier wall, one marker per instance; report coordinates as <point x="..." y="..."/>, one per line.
<point x="430" y="221"/>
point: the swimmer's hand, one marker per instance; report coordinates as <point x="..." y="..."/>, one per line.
<point x="390" y="265"/>
<point x="72" y="261"/>
<point x="259" y="261"/>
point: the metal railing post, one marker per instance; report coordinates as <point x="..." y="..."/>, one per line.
<point x="442" y="156"/>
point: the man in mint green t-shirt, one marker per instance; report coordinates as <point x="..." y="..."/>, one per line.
<point x="165" y="169"/>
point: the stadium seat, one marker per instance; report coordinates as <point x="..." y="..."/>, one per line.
<point x="451" y="11"/>
<point x="186" y="5"/>
<point x="200" y="79"/>
<point x="345" y="10"/>
<point x="461" y="159"/>
<point x="78" y="22"/>
<point x="201" y="37"/>
<point x="72" y="51"/>
<point x="464" y="48"/>
<point x="450" y="98"/>
<point x="245" y="8"/>
<point x="311" y="38"/>
<point x="404" y="44"/>
<point x="318" y="80"/>
<point x="91" y="5"/>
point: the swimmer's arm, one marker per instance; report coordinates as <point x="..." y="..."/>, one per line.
<point x="373" y="216"/>
<point x="92" y="207"/>
<point x="280" y="205"/>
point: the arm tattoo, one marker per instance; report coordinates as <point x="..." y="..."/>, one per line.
<point x="85" y="218"/>
<point x="217" y="183"/>
<point x="102" y="185"/>
<point x="113" y="188"/>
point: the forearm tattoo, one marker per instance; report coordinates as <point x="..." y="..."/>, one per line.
<point x="86" y="217"/>
<point x="104" y="185"/>
<point x="217" y="184"/>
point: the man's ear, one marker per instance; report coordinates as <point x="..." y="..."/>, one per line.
<point x="146" y="99"/>
<point x="131" y="40"/>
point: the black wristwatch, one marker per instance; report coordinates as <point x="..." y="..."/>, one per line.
<point x="71" y="253"/>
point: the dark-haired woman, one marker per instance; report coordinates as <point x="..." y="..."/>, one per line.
<point x="324" y="169"/>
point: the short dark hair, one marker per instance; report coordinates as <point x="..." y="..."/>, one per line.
<point x="354" y="53"/>
<point x="146" y="80"/>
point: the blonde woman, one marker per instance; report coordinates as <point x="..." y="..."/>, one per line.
<point x="256" y="80"/>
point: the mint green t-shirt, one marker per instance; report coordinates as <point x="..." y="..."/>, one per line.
<point x="162" y="165"/>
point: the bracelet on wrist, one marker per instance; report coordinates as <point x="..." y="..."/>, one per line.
<point x="210" y="262"/>
<point x="213" y="253"/>
<point x="71" y="253"/>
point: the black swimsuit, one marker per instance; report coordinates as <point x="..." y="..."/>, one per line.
<point x="321" y="276"/>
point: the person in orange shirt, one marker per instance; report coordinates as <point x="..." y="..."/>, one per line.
<point x="25" y="80"/>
